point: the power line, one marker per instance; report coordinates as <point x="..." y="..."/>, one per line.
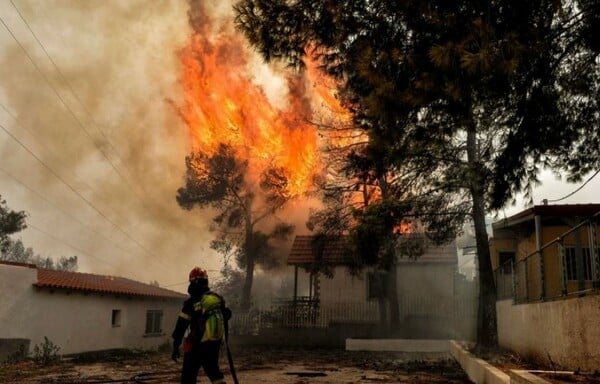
<point x="59" y="208"/>
<point x="70" y="110"/>
<point x="62" y="100"/>
<point x="64" y="79"/>
<point x="70" y="245"/>
<point x="76" y="97"/>
<point x="89" y="203"/>
<point x="82" y="127"/>
<point x="576" y="190"/>
<point x="42" y="144"/>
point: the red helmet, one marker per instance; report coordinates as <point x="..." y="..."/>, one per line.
<point x="198" y="273"/>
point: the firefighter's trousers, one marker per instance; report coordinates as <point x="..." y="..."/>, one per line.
<point x="205" y="355"/>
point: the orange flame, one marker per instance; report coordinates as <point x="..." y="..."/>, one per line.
<point x="222" y="105"/>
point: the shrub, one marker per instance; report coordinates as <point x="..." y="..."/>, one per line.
<point x="17" y="356"/>
<point x="46" y="353"/>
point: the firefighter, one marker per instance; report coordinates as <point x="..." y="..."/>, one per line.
<point x="205" y="314"/>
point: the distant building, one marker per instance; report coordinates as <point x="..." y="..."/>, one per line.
<point x="81" y="312"/>
<point x="425" y="287"/>
<point x="547" y="269"/>
<point x="551" y="254"/>
<point x="467" y="249"/>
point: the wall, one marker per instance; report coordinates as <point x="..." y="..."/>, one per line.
<point x="344" y="299"/>
<point x="76" y="322"/>
<point x="425" y="288"/>
<point x="565" y="330"/>
<point x="343" y="287"/>
<point x="525" y="245"/>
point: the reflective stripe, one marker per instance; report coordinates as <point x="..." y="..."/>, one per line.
<point x="185" y="316"/>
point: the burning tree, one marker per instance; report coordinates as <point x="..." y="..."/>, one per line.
<point x="377" y="204"/>
<point x="220" y="181"/>
<point x="488" y="91"/>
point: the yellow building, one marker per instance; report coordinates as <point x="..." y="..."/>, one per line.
<point x="547" y="252"/>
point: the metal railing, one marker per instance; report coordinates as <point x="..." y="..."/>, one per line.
<point x="567" y="266"/>
<point x="457" y="310"/>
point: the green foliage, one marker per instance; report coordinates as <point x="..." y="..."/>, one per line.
<point x="476" y="96"/>
<point x="526" y="73"/>
<point x="46" y="353"/>
<point x="219" y="181"/>
<point x="230" y="285"/>
<point x="373" y="237"/>
<point x="17" y="356"/>
<point x="16" y="251"/>
<point x="10" y="222"/>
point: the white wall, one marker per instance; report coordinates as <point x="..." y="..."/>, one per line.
<point x="425" y="288"/>
<point x="76" y="322"/>
<point x="343" y="287"/>
<point x="565" y="331"/>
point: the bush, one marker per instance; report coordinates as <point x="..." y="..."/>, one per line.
<point x="46" y="353"/>
<point x="17" y="356"/>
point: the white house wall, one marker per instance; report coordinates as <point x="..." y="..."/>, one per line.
<point x="344" y="299"/>
<point x="343" y="288"/>
<point x="76" y="322"/>
<point x="425" y="288"/>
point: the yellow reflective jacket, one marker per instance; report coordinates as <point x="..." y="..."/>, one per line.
<point x="208" y="314"/>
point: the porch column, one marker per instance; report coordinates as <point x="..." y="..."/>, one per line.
<point x="295" y="284"/>
<point x="538" y="244"/>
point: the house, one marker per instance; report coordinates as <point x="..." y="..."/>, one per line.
<point x="548" y="275"/>
<point x="81" y="312"/>
<point x="425" y="286"/>
<point x="548" y="249"/>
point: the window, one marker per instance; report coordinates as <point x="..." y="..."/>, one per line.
<point x="376" y="285"/>
<point x="116" y="318"/>
<point x="571" y="263"/>
<point x="154" y="322"/>
<point x="504" y="261"/>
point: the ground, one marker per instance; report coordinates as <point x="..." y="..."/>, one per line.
<point x="506" y="360"/>
<point x="264" y="365"/>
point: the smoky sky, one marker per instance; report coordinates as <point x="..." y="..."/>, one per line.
<point x="92" y="147"/>
<point x="97" y="149"/>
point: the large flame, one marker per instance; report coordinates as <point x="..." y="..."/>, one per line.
<point x="223" y="105"/>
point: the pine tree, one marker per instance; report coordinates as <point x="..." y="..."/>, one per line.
<point x="481" y="93"/>
<point x="220" y="181"/>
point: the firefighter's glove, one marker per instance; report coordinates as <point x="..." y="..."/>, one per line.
<point x="175" y="355"/>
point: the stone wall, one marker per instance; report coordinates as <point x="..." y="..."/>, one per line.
<point x="560" y="332"/>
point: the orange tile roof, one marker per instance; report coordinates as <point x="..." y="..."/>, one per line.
<point x="114" y="285"/>
<point x="335" y="252"/>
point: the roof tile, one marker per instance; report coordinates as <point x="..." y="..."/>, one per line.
<point x="336" y="252"/>
<point x="87" y="282"/>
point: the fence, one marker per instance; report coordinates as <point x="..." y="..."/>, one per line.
<point x="303" y="315"/>
<point x="451" y="315"/>
<point x="566" y="266"/>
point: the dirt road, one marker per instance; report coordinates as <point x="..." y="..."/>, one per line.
<point x="254" y="365"/>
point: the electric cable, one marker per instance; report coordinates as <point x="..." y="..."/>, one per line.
<point x="71" y="245"/>
<point x="576" y="190"/>
<point x="64" y="79"/>
<point x="89" y="203"/>
<point x="18" y="181"/>
<point x="76" y="97"/>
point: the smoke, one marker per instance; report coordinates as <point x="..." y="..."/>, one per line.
<point x="100" y="116"/>
<point x="103" y="123"/>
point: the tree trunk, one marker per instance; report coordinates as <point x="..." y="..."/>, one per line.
<point x="487" y="336"/>
<point x="249" y="250"/>
<point x="393" y="297"/>
<point x="382" y="301"/>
